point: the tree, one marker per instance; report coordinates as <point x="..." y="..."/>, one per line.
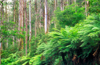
<point x="21" y="7"/>
<point x="26" y="27"/>
<point x="62" y="5"/>
<point x="46" y="30"/>
<point x="36" y="17"/>
<point x="86" y="7"/>
<point x="6" y="18"/>
<point x="67" y="2"/>
<point x="1" y="22"/>
<point x="55" y="6"/>
<point x="41" y="11"/>
<point x="30" y="32"/>
<point x="14" y="13"/>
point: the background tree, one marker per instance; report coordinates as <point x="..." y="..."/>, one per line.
<point x="26" y="27"/>
<point x="21" y="22"/>
<point x="46" y="21"/>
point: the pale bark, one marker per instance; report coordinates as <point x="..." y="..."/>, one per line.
<point x="26" y="29"/>
<point x="41" y="11"/>
<point x="55" y="6"/>
<point x="30" y="32"/>
<point x="85" y="8"/>
<point x="14" y="18"/>
<point x="2" y="14"/>
<point x="6" y="19"/>
<point x="46" y="17"/>
<point x="62" y="5"/>
<point x="75" y="1"/>
<point x="36" y="18"/>
<point x="21" y="2"/>
<point x="67" y="2"/>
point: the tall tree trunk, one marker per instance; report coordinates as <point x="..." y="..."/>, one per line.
<point x="40" y="14"/>
<point x="46" y="30"/>
<point x="67" y="2"/>
<point x="30" y="32"/>
<point x="6" y="19"/>
<point x="48" y="15"/>
<point x="75" y="2"/>
<point x="26" y="29"/>
<point x="21" y="5"/>
<point x="36" y="18"/>
<point x="62" y="5"/>
<point x="55" y="6"/>
<point x="85" y="7"/>
<point x="14" y="12"/>
<point x="1" y="22"/>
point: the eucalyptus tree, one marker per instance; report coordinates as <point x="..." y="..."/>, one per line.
<point x="62" y="5"/>
<point x="36" y="18"/>
<point x="85" y="7"/>
<point x="14" y="13"/>
<point x="21" y="11"/>
<point x="46" y="30"/>
<point x="1" y="22"/>
<point x="30" y="31"/>
<point x="26" y="29"/>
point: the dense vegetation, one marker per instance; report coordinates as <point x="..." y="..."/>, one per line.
<point x="74" y="41"/>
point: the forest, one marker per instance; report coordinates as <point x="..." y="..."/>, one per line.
<point x="49" y="32"/>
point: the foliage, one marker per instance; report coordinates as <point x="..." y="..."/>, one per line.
<point x="85" y="37"/>
<point x="74" y="41"/>
<point x="15" y="59"/>
<point x="35" y="60"/>
<point x="70" y="16"/>
<point x="94" y="6"/>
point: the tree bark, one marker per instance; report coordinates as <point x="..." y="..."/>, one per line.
<point x="6" y="19"/>
<point x="21" y="5"/>
<point x="14" y="12"/>
<point x="36" y="18"/>
<point x="85" y="7"/>
<point x="30" y="32"/>
<point x="46" y="17"/>
<point x="26" y="29"/>
<point x="55" y="6"/>
<point x="41" y="10"/>
<point x="67" y="2"/>
<point x="2" y="14"/>
<point x="62" y="5"/>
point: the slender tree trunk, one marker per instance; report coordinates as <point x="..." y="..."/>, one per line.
<point x="26" y="29"/>
<point x="75" y="1"/>
<point x="67" y="2"/>
<point x="2" y="14"/>
<point x="48" y="15"/>
<point x="14" y="12"/>
<point x="62" y="5"/>
<point x="40" y="14"/>
<point x="36" y="18"/>
<point x="85" y="7"/>
<point x="46" y="31"/>
<point x="30" y="32"/>
<point x="44" y="15"/>
<point x="75" y="5"/>
<point x="6" y="19"/>
<point x="21" y="2"/>
<point x="55" y="6"/>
